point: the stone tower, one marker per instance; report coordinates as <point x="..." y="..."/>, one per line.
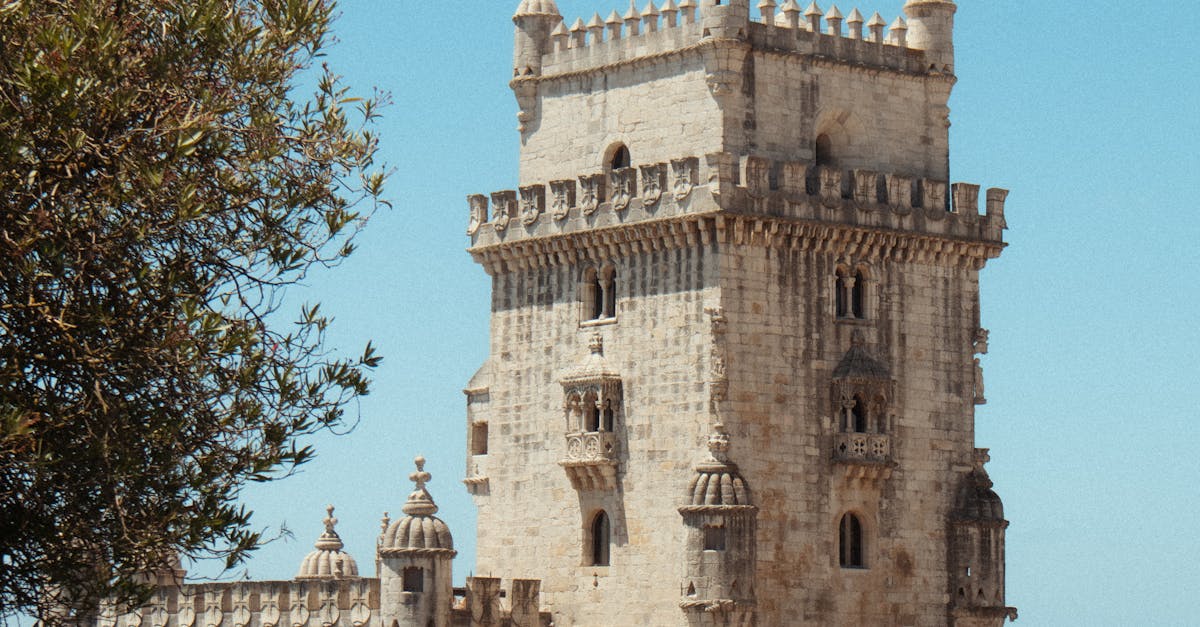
<point x="738" y="230"/>
<point x="415" y="556"/>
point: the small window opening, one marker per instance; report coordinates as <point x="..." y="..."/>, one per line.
<point x="414" y="579"/>
<point x="620" y="158"/>
<point x="479" y="438"/>
<point x="591" y="414"/>
<point x="841" y="306"/>
<point x="714" y="538"/>
<point x="856" y="416"/>
<point x="600" y="540"/>
<point x="691" y="589"/>
<point x="859" y="295"/>
<point x="609" y="418"/>
<point x="850" y="542"/>
<point x="824" y="151"/>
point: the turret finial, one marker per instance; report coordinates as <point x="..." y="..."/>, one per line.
<point x="330" y="521"/>
<point x="420" y="503"/>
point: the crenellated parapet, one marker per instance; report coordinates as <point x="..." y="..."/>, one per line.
<point x="665" y="197"/>
<point x="331" y="603"/>
<point x="666" y="27"/>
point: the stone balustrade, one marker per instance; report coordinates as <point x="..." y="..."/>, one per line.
<point x="862" y="447"/>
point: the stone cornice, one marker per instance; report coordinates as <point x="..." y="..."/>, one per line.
<point x="727" y="228"/>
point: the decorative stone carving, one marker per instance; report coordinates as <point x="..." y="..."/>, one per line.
<point x="718" y="383"/>
<point x="684" y="175"/>
<point x="756" y="174"/>
<point x="328" y="613"/>
<point x="562" y="195"/>
<point x="653" y="180"/>
<point x="503" y="204"/>
<point x="830" y="186"/>
<point x="533" y="202"/>
<point x="623" y="183"/>
<point x="360" y="611"/>
<point x="592" y="388"/>
<point x="723" y="83"/>
<point x="300" y="614"/>
<point x="186" y="617"/>
<point x="212" y="609"/>
<point x="479" y="207"/>
<point x="132" y="619"/>
<point x="875" y="447"/>
<point x="269" y="616"/>
<point x="899" y="191"/>
<point x="107" y="616"/>
<point x="933" y="196"/>
<point x="981" y="341"/>
<point x="966" y="199"/>
<point x="793" y="179"/>
<point x="866" y="188"/>
<point x="241" y="606"/>
<point x="980" y="399"/>
<point x="159" y="616"/>
<point x="591" y="193"/>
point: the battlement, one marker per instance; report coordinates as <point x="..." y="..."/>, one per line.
<point x="723" y="184"/>
<point x="664" y="27"/>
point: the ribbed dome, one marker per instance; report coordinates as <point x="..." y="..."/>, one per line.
<point x="976" y="500"/>
<point x="328" y="560"/>
<point x="537" y="7"/>
<point x="717" y="480"/>
<point x="419" y="529"/>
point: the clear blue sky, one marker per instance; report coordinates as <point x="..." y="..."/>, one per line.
<point x="1086" y="111"/>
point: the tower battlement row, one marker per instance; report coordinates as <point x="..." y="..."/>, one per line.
<point x="785" y="191"/>
<point x="548" y="46"/>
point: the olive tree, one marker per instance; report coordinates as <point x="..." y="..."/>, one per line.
<point x="167" y="168"/>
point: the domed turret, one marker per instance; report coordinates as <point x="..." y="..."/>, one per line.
<point x="931" y="28"/>
<point x="535" y="20"/>
<point x="415" y="556"/>
<point x="328" y="560"/>
<point x="720" y="518"/>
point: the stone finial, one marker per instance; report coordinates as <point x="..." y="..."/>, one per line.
<point x="899" y="32"/>
<point x="718" y="443"/>
<point x="876" y="26"/>
<point x="766" y="8"/>
<point x="633" y="20"/>
<point x="688" y="9"/>
<point x="614" y="25"/>
<point x="560" y="36"/>
<point x="813" y="13"/>
<point x="384" y="522"/>
<point x="596" y="27"/>
<point x="791" y="14"/>
<point x="854" y="23"/>
<point x="670" y="14"/>
<point x="578" y="34"/>
<point x="420" y="503"/>
<point x="329" y="541"/>
<point x="330" y="521"/>
<point x="650" y="17"/>
<point x="858" y="339"/>
<point x="596" y="344"/>
<point x="834" y="17"/>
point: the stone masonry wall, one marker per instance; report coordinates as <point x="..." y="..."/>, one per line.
<point x="784" y="344"/>
<point x="531" y="520"/>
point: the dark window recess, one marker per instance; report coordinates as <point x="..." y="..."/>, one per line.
<point x="600" y="539"/>
<point x="414" y="579"/>
<point x="851" y="542"/>
<point x="714" y="538"/>
<point x="479" y="438"/>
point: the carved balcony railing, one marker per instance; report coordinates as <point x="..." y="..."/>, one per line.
<point x="862" y="447"/>
<point x="865" y="458"/>
<point x="591" y="460"/>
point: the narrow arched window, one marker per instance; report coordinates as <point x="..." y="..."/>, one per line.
<point x="574" y="414"/>
<point x="858" y="416"/>
<point x="620" y="158"/>
<point x="608" y="417"/>
<point x="824" y="151"/>
<point x="601" y="536"/>
<point x="850" y="542"/>
<point x="591" y="414"/>
<point x="592" y="295"/>
<point x="608" y="287"/>
<point x="859" y="295"/>
<point x="841" y="302"/>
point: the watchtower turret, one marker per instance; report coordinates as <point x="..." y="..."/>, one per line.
<point x="535" y="20"/>
<point x="931" y="28"/>
<point x="415" y="554"/>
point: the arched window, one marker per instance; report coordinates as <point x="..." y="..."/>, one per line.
<point x="601" y="536"/>
<point x="620" y="158"/>
<point x="858" y="295"/>
<point x="824" y="151"/>
<point x="608" y="417"/>
<point x="850" y="542"/>
<point x="598" y="291"/>
<point x="856" y="418"/>
<point x="574" y="414"/>
<point x="591" y="414"/>
<point x="841" y="302"/>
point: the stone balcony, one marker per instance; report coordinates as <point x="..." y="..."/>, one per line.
<point x="591" y="460"/>
<point x="863" y="456"/>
